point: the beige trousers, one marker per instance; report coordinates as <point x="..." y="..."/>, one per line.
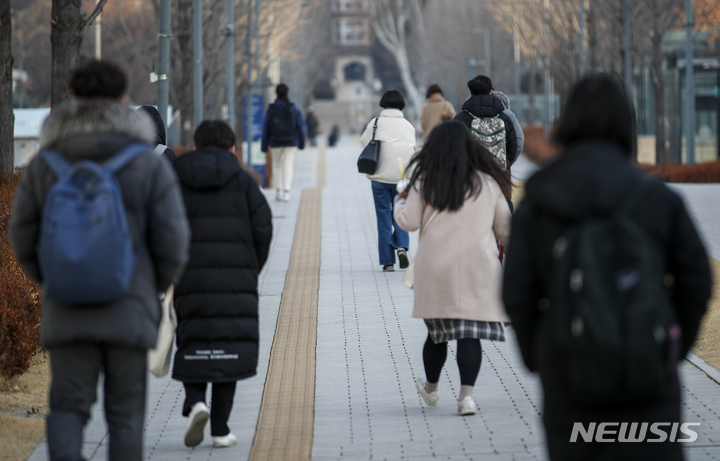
<point x="282" y="166"/>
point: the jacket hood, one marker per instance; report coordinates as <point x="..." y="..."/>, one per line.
<point x="396" y="113"/>
<point x="207" y="168"/>
<point x="590" y="178"/>
<point x="160" y="132"/>
<point x="436" y="97"/>
<point x="95" y="117"/>
<point x="483" y="105"/>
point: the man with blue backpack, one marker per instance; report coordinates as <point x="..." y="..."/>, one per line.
<point x="99" y="222"/>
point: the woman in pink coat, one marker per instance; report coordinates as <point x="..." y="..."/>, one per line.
<point x="457" y="195"/>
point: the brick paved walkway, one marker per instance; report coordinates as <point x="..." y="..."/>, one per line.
<point x="369" y="352"/>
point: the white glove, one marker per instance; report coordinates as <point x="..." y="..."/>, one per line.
<point x="401" y="186"/>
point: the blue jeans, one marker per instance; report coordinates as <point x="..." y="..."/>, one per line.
<point x="390" y="236"/>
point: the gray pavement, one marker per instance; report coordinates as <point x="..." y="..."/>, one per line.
<point x="369" y="351"/>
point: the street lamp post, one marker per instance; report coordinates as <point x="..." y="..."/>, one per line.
<point x="689" y="85"/>
<point x="198" y="57"/>
<point x="164" y="65"/>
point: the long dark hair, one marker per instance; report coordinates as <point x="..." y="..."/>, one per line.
<point x="598" y="108"/>
<point x="448" y="165"/>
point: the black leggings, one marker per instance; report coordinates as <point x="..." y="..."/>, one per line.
<point x="469" y="357"/>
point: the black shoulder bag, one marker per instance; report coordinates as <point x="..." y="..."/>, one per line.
<point x="368" y="161"/>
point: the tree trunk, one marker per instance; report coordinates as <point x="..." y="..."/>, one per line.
<point x="65" y="39"/>
<point x="184" y="38"/>
<point x="413" y="94"/>
<point x="7" y="118"/>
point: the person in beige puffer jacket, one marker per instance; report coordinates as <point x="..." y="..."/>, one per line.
<point x="397" y="141"/>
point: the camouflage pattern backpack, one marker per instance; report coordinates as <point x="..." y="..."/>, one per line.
<point x="491" y="133"/>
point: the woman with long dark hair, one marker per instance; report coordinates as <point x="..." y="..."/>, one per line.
<point x="457" y="197"/>
<point x="592" y="179"/>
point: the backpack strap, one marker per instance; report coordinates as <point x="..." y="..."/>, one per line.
<point x="125" y="156"/>
<point x="475" y="117"/>
<point x="57" y="162"/>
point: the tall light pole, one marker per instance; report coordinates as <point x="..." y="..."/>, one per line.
<point x="164" y="65"/>
<point x="582" y="38"/>
<point x="546" y="34"/>
<point x="231" y="63"/>
<point x="249" y="83"/>
<point x="198" y="57"/>
<point x="689" y="85"/>
<point x="627" y="46"/>
<point x="98" y="35"/>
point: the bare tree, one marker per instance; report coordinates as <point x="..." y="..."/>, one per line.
<point x="391" y="20"/>
<point x="7" y="119"/>
<point x="69" y="23"/>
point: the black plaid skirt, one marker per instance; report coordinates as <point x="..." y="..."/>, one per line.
<point x="444" y="330"/>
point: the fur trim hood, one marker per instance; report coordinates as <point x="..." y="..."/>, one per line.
<point x="95" y="117"/>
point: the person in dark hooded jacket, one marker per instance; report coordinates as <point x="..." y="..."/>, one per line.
<point x="113" y="338"/>
<point x="482" y="103"/>
<point x="594" y="177"/>
<point x="160" y="133"/>
<point x="216" y="299"/>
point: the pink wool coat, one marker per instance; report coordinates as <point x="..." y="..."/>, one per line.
<point x="457" y="271"/>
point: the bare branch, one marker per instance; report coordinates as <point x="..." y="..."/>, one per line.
<point x="89" y="20"/>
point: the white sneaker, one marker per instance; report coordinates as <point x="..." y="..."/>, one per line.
<point x="431" y="398"/>
<point x="224" y="441"/>
<point x="196" y="426"/>
<point x="286" y="196"/>
<point x="279" y="197"/>
<point x="467" y="406"/>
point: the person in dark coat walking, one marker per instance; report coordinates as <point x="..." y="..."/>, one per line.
<point x="216" y="299"/>
<point x="160" y="133"/>
<point x="591" y="178"/>
<point x="112" y="339"/>
<point x="482" y="103"/>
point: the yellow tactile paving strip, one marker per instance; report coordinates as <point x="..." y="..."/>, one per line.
<point x="285" y="425"/>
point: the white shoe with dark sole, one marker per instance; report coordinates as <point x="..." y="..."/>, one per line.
<point x="199" y="416"/>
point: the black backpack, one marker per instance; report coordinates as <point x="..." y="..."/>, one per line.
<point x="282" y="124"/>
<point x="612" y="316"/>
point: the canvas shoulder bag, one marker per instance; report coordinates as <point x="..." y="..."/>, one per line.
<point x="409" y="276"/>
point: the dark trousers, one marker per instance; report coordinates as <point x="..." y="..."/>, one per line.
<point x="469" y="358"/>
<point x="75" y="370"/>
<point x="223" y="395"/>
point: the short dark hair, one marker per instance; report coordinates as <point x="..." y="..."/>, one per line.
<point x="392" y="99"/>
<point x="597" y="108"/>
<point x="432" y="89"/>
<point x="216" y="133"/>
<point x="281" y="91"/>
<point x="98" y="79"/>
<point x="480" y="85"/>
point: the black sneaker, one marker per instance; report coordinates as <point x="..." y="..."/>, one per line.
<point x="403" y="258"/>
<point x="389" y="268"/>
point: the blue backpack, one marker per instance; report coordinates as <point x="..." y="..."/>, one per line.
<point x="86" y="251"/>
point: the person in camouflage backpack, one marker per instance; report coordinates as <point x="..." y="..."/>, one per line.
<point x="484" y="108"/>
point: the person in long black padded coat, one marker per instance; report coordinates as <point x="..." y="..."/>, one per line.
<point x="217" y="300"/>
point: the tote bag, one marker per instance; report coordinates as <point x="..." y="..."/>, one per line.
<point x="409" y="276"/>
<point x="158" y="359"/>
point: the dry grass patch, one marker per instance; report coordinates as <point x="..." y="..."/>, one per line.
<point x="707" y="344"/>
<point x="23" y="407"/>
